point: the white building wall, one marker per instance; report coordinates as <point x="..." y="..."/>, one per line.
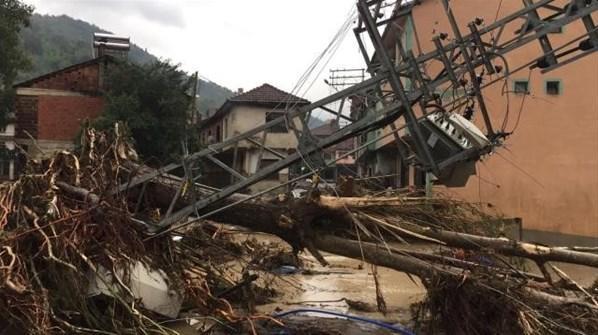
<point x="245" y="118"/>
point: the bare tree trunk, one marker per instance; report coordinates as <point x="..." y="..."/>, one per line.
<point x="505" y="246"/>
<point x="378" y="255"/>
<point x="79" y="192"/>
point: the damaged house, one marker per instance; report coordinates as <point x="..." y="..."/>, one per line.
<point x="243" y="112"/>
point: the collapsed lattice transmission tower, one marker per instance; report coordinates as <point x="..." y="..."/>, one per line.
<point x="440" y="141"/>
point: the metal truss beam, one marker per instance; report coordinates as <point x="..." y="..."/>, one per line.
<point x="465" y="56"/>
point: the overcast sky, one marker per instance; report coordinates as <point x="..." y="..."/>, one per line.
<point x="236" y="43"/>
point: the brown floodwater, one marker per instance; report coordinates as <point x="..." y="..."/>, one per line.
<point x="346" y="279"/>
<point x="332" y="288"/>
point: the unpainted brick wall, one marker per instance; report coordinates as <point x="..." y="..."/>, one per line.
<point x="83" y="79"/>
<point x="26" y="114"/>
<point x="60" y="117"/>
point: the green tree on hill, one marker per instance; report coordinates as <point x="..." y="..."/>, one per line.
<point x="14" y="15"/>
<point x="152" y="100"/>
<point x="53" y="42"/>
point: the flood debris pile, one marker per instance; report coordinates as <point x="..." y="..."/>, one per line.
<point x="484" y="303"/>
<point x="478" y="280"/>
<point x="78" y="257"/>
<point x="73" y="260"/>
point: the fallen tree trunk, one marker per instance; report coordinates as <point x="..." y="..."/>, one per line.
<point x="513" y="248"/>
<point x="79" y="192"/>
<point x="360" y="202"/>
<point x="378" y="255"/>
<point x="266" y="218"/>
<point x="270" y="217"/>
<point x="504" y="246"/>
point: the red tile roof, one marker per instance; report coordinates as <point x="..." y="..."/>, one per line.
<point x="265" y="95"/>
<point x="268" y="94"/>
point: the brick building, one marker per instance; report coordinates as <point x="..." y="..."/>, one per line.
<point x="50" y="109"/>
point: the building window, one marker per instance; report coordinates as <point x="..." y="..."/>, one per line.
<point x="521" y="86"/>
<point x="279" y="128"/>
<point x="553" y="87"/>
<point x="363" y="138"/>
<point x="225" y="128"/>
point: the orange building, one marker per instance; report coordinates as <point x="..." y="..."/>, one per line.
<point x="547" y="171"/>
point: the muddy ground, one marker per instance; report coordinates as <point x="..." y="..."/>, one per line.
<point x="346" y="286"/>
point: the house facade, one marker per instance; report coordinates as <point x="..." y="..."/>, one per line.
<point x="547" y="172"/>
<point x="50" y="109"/>
<point x="241" y="113"/>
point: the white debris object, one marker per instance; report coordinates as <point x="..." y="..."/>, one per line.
<point x="149" y="287"/>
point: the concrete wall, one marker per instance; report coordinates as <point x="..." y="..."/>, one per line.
<point x="42" y="149"/>
<point x="251" y="159"/>
<point x="241" y="119"/>
<point x="247" y="164"/>
<point x="245" y="118"/>
<point x="547" y="174"/>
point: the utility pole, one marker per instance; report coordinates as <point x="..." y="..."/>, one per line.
<point x="342" y="78"/>
<point x="194" y="113"/>
<point x="192" y="116"/>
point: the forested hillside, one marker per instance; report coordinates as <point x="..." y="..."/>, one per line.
<point x="55" y="42"/>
